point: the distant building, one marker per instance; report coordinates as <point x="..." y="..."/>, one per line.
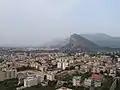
<point x="43" y="68"/>
<point x="2" y="76"/>
<point x="98" y="83"/>
<point x="95" y="80"/>
<point x="62" y="65"/>
<point x="51" y="77"/>
<point x="87" y="82"/>
<point x="112" y="73"/>
<point x="40" y="78"/>
<point x="10" y="74"/>
<point x="118" y="59"/>
<point x="76" y="81"/>
<point x="61" y="74"/>
<point x="91" y="82"/>
<point x="64" y="88"/>
<point x="59" y="65"/>
<point x="30" y="81"/>
<point x="97" y="76"/>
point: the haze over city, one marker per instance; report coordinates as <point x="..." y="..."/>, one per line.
<point x="34" y="22"/>
<point x="59" y="44"/>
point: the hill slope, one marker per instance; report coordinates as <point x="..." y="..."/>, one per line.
<point x="103" y="40"/>
<point x="85" y="43"/>
<point x="79" y="43"/>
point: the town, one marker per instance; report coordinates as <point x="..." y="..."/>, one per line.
<point x="59" y="44"/>
<point x="60" y="70"/>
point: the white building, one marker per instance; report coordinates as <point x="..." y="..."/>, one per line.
<point x="98" y="83"/>
<point x="64" y="88"/>
<point x="87" y="82"/>
<point x="43" y="68"/>
<point x="51" y="77"/>
<point x="40" y="78"/>
<point x="118" y="59"/>
<point x="30" y="81"/>
<point x="65" y="65"/>
<point x="62" y="65"/>
<point x="59" y="65"/>
<point x="76" y="80"/>
<point x="10" y="74"/>
<point x="2" y="76"/>
<point x="112" y="73"/>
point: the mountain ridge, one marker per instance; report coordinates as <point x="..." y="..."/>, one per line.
<point x="103" y="40"/>
<point x="79" y="43"/>
<point x="100" y="39"/>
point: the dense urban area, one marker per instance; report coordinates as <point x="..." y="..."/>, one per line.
<point x="36" y="70"/>
<point x="59" y="44"/>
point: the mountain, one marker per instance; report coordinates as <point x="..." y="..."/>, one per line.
<point x="86" y="43"/>
<point x="96" y="36"/>
<point x="103" y="40"/>
<point x="79" y="43"/>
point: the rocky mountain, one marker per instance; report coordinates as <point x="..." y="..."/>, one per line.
<point x="86" y="43"/>
<point x="79" y="43"/>
<point x="103" y="40"/>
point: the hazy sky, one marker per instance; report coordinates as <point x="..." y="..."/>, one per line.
<point x="33" y="22"/>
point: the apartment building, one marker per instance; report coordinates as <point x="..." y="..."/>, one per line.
<point x="30" y="81"/>
<point x="62" y="65"/>
<point x="10" y="74"/>
<point x="76" y="81"/>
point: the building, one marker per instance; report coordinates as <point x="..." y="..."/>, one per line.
<point x="59" y="65"/>
<point x="97" y="83"/>
<point x="97" y="76"/>
<point x="30" y="81"/>
<point x="2" y="76"/>
<point x="21" y="77"/>
<point x="43" y="68"/>
<point x="10" y="74"/>
<point x="40" y="78"/>
<point x="112" y="73"/>
<point x="50" y="77"/>
<point x="61" y="74"/>
<point x="87" y="82"/>
<point x="92" y="82"/>
<point x="76" y="81"/>
<point x="62" y="65"/>
<point x="64" y="88"/>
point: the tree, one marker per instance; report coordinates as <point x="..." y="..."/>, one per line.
<point x="1" y="60"/>
<point x="101" y="72"/>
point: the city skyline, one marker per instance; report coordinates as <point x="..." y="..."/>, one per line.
<point x="25" y="23"/>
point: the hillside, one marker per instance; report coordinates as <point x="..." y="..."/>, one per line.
<point x="103" y="40"/>
<point x="87" y="43"/>
<point x="79" y="43"/>
<point x="100" y="39"/>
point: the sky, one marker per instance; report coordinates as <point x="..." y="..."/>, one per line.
<point x="34" y="22"/>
